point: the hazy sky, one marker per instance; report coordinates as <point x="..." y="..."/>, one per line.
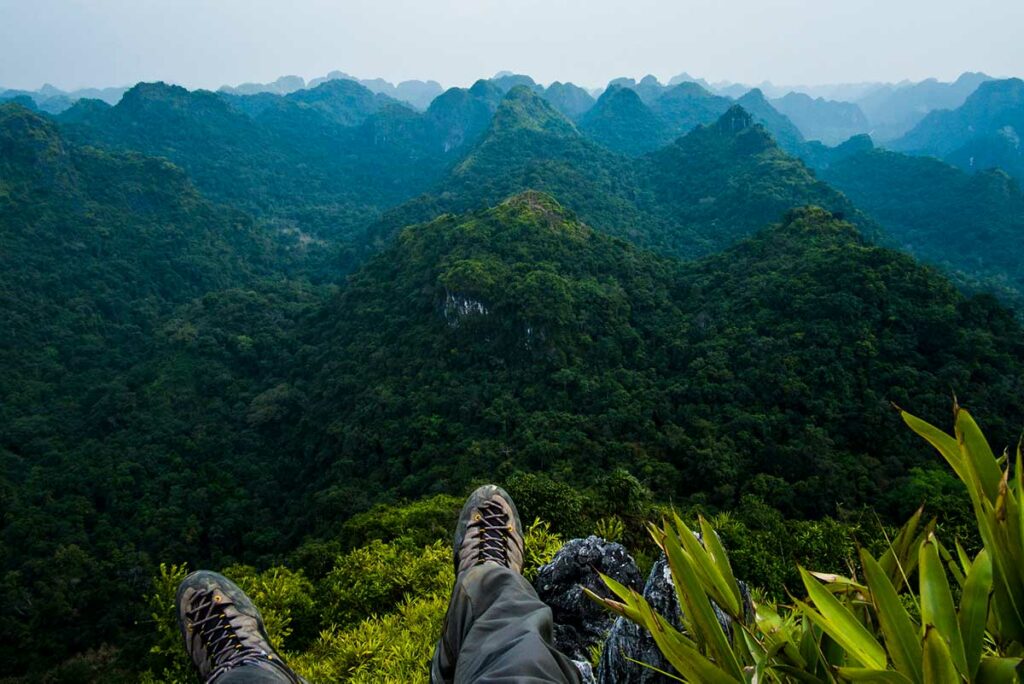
<point x="207" y="43"/>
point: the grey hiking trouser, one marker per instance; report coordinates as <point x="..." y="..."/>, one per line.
<point x="498" y="631"/>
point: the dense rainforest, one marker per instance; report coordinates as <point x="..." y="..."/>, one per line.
<point x="285" y="333"/>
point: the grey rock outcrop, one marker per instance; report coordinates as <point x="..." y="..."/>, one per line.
<point x="628" y="641"/>
<point x="580" y="624"/>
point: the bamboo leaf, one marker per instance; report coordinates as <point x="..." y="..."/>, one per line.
<point x="720" y="561"/>
<point x="938" y="664"/>
<point x="973" y="613"/>
<point x="977" y="454"/>
<point x="711" y="578"/>
<point x="901" y="635"/>
<point x="943" y="443"/>
<point x="697" y="605"/>
<point x="838" y="622"/>
<point x="937" y="603"/>
<point x="861" y="674"/>
<point x="681" y="653"/>
<point x="999" y="671"/>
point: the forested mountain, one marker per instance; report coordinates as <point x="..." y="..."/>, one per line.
<point x="521" y="338"/>
<point x="634" y="118"/>
<point x="135" y="336"/>
<point x="973" y="224"/>
<point x="725" y="181"/>
<point x="322" y="161"/>
<point x="569" y="99"/>
<point x="688" y="105"/>
<point x="621" y="122"/>
<point x="983" y="133"/>
<point x="894" y="110"/>
<point x="711" y="187"/>
<point x="782" y="129"/>
<point x="829" y="121"/>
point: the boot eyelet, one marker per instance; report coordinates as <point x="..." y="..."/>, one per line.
<point x="216" y="598"/>
<point x="477" y="517"/>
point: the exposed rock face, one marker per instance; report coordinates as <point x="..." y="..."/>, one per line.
<point x="586" y="671"/>
<point x="580" y="623"/>
<point x="627" y="642"/>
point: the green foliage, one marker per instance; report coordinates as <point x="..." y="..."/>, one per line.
<point x="541" y="546"/>
<point x="395" y="647"/>
<point x="879" y="627"/>
<point x="969" y="224"/>
<point x="367" y="579"/>
<point x="721" y="182"/>
<point x="285" y="599"/>
<point x="538" y="496"/>
<point x="414" y="524"/>
<point x="611" y="529"/>
<point x="166" y="659"/>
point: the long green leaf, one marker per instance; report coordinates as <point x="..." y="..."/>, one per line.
<point x="899" y="550"/>
<point x="777" y="637"/>
<point x="973" y="613"/>
<point x="902" y="638"/>
<point x="680" y="651"/>
<point x="711" y="577"/>
<point x="937" y="603"/>
<point x="999" y="671"/>
<point x="842" y="625"/>
<point x="697" y="606"/>
<point x="861" y="674"/>
<point x="938" y="665"/>
<point x="720" y="561"/>
<point x="690" y="662"/>
<point x="977" y="454"/>
<point x="943" y="443"/>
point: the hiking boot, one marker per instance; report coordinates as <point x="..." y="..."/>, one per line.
<point x="489" y="531"/>
<point x="223" y="630"/>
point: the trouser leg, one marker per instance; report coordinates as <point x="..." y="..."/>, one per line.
<point x="497" y="630"/>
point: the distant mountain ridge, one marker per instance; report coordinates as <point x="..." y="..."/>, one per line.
<point x="892" y="111"/>
<point x="53" y="100"/>
<point x="984" y="132"/>
<point x="324" y="159"/>
<point x="658" y="114"/>
<point x="418" y="94"/>
<point x="829" y="121"/>
<point x="709" y="188"/>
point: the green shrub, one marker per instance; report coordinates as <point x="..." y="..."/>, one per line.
<point x="285" y="600"/>
<point x="538" y="496"/>
<point x="374" y="579"/>
<point x="415" y="524"/>
<point x="396" y="647"/>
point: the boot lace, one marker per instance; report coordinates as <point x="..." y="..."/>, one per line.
<point x="491" y="542"/>
<point x="225" y="648"/>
